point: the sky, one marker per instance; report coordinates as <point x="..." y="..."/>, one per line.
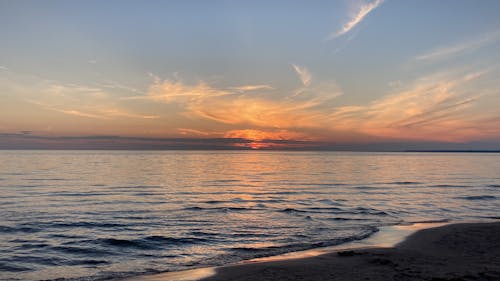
<point x="353" y="75"/>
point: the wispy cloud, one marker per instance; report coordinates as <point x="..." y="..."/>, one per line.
<point x="78" y="113"/>
<point x="228" y="106"/>
<point x="457" y="49"/>
<point x="167" y="91"/>
<point x="114" y="112"/>
<point x="358" y="17"/>
<point x="304" y="75"/>
<point x="109" y="84"/>
<point x="102" y="113"/>
<point x="3" y="67"/>
<point x="66" y="110"/>
<point x="438" y="107"/>
<point x="246" y="88"/>
<point x="82" y="101"/>
<point x="193" y="132"/>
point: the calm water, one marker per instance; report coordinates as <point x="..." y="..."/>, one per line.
<point x="100" y="214"/>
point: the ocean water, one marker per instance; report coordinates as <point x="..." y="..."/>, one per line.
<point x="92" y="215"/>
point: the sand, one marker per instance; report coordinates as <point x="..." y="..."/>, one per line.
<point x="469" y="251"/>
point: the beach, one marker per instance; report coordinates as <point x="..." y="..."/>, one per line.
<point x="464" y="251"/>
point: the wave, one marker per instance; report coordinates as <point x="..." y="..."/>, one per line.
<point x="217" y="181"/>
<point x="146" y="194"/>
<point x="150" y="242"/>
<point x="47" y="179"/>
<point x="223" y="209"/>
<point x="90" y="262"/>
<point x="129" y="187"/>
<point x="346" y="219"/>
<point x="363" y="187"/>
<point x="78" y="194"/>
<point x="239" y="200"/>
<point x="13" y="268"/>
<point x="316" y="184"/>
<point x="479" y="197"/>
<point x="78" y="250"/>
<point x="28" y="246"/>
<point x="214" y="202"/>
<point x="23" y="229"/>
<point x="336" y="210"/>
<point x="256" y="252"/>
<point x="34" y="259"/>
<point x="449" y="185"/>
<point x="428" y="221"/>
<point x="111" y="246"/>
<point x="330" y="202"/>
<point x="405" y="182"/>
<point x="292" y="210"/>
<point x="86" y="224"/>
<point x="370" y="211"/>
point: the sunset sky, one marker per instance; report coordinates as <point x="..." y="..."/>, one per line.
<point x="252" y="74"/>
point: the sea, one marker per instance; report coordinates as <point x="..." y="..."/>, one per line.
<point x="101" y="215"/>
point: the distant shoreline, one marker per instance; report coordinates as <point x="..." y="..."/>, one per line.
<point x="454" y="151"/>
<point x="248" y="149"/>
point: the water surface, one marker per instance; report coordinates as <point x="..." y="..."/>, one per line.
<point x="98" y="214"/>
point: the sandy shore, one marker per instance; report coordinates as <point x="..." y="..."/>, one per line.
<point x="468" y="251"/>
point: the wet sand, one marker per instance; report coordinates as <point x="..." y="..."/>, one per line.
<point x="468" y="251"/>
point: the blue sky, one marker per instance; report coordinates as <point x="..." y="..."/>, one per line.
<point x="320" y="71"/>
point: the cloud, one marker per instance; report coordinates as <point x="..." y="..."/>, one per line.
<point x="186" y="131"/>
<point x="361" y="13"/>
<point x="109" y="84"/>
<point x="78" y="113"/>
<point x="66" y="110"/>
<point x="446" y="106"/>
<point x="231" y="107"/>
<point x="167" y="91"/>
<point x="3" y="67"/>
<point x="437" y="107"/>
<point x="99" y="113"/>
<point x="82" y="101"/>
<point x="114" y="112"/>
<point x="246" y="88"/>
<point x="304" y="75"/>
<point x="60" y="89"/>
<point x="453" y="50"/>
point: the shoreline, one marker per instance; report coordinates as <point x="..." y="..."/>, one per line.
<point x="388" y="238"/>
<point x="454" y="252"/>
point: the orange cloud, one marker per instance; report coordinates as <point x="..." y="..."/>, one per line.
<point x="235" y="108"/>
<point x="433" y="108"/>
<point x="440" y="107"/>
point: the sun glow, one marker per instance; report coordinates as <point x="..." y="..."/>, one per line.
<point x="265" y="139"/>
